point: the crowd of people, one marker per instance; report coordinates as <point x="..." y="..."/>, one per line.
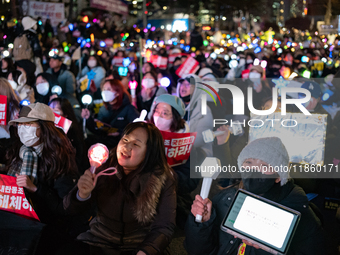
<point x="137" y="210"/>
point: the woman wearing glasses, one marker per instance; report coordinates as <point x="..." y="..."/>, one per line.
<point x="44" y="163"/>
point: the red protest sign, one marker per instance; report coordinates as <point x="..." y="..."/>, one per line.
<point x="108" y="42"/>
<point x="62" y="122"/>
<point x="178" y="146"/>
<point x="172" y="57"/>
<point x="117" y="61"/>
<point x="159" y="61"/>
<point x="13" y="199"/>
<point x="189" y="66"/>
<point x="3" y="109"/>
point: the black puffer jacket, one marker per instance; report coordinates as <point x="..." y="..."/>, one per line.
<point x="207" y="238"/>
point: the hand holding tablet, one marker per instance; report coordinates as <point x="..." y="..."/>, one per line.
<point x="261" y="223"/>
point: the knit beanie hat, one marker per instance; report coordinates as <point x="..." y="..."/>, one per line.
<point x="270" y="150"/>
<point x="173" y="101"/>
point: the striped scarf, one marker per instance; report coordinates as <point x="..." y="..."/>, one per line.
<point x="29" y="166"/>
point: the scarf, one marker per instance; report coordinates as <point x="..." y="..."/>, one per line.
<point x="29" y="166"/>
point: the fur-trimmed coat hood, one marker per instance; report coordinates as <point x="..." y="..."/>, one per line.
<point x="144" y="222"/>
<point x="147" y="188"/>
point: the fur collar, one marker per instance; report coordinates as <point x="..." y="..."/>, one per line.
<point x="150" y="188"/>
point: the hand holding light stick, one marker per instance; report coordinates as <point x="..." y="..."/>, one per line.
<point x="209" y="171"/>
<point x="209" y="135"/>
<point x="86" y="100"/>
<point x="142" y="116"/>
<point x="98" y="154"/>
<point x="133" y="86"/>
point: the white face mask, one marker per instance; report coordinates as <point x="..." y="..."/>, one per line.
<point x="108" y="96"/>
<point x="249" y="61"/>
<point x="148" y="83"/>
<point x="4" y="70"/>
<point x="161" y="123"/>
<point x="92" y="63"/>
<point x="43" y="88"/>
<point x="28" y="135"/>
<point x="13" y="84"/>
<point x="254" y="76"/>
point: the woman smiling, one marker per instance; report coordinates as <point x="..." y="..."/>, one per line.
<point x="136" y="206"/>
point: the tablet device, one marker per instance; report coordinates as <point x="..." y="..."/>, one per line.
<point x="261" y="221"/>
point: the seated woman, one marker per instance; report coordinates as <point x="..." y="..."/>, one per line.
<point x="62" y="107"/>
<point x="43" y="86"/>
<point x="44" y="164"/>
<point x="208" y="238"/>
<point x="166" y="113"/>
<point x="137" y="206"/>
<point x="150" y="90"/>
<point x="116" y="113"/>
<point x="94" y="71"/>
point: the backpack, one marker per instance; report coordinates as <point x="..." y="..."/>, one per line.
<point x="22" y="48"/>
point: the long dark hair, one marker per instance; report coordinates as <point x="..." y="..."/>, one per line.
<point x="58" y="155"/>
<point x="177" y="121"/>
<point x="155" y="161"/>
<point x="68" y="112"/>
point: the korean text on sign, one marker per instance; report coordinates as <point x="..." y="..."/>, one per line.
<point x="13" y="199"/>
<point x="3" y="109"/>
<point x="178" y="146"/>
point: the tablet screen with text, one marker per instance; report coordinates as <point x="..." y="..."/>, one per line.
<point x="262" y="220"/>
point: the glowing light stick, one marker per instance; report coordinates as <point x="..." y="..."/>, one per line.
<point x="86" y="100"/>
<point x="133" y="86"/>
<point x="210" y="166"/>
<point x="98" y="154"/>
<point x="142" y="116"/>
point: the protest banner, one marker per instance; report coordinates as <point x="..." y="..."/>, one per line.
<point x="115" y="6"/>
<point x="189" y="66"/>
<point x="3" y="109"/>
<point x="46" y="10"/>
<point x="13" y="199"/>
<point x="159" y="61"/>
<point x="302" y="135"/>
<point x="178" y="146"/>
<point x="62" y="122"/>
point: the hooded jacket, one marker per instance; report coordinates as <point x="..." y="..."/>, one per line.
<point x="207" y="238"/>
<point x="198" y="122"/>
<point x="66" y="80"/>
<point x="146" y="222"/>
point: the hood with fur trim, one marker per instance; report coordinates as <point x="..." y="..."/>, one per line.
<point x="147" y="188"/>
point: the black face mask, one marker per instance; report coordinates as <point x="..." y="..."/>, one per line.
<point x="186" y="99"/>
<point x="257" y="182"/>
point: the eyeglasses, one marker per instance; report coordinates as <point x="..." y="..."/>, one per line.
<point x="164" y="113"/>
